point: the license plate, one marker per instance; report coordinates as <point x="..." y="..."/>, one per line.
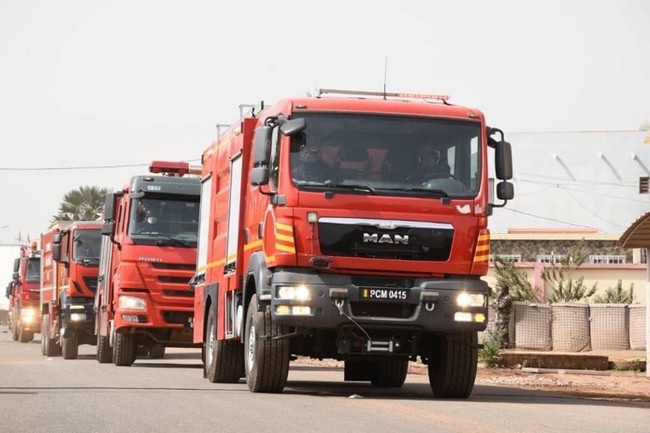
<point x="384" y="294"/>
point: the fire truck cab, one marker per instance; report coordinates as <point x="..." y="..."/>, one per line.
<point x="25" y="318"/>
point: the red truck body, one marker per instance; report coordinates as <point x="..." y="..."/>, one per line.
<point x="361" y="265"/>
<point x="148" y="256"/>
<point x="23" y="294"/>
<point x="70" y="263"/>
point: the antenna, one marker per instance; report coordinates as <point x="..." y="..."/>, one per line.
<point x="385" y="73"/>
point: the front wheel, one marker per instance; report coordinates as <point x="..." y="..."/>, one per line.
<point x="25" y="336"/>
<point x="452" y="364"/>
<point x="124" y="349"/>
<point x="389" y="372"/>
<point x="70" y="345"/>
<point x="157" y="351"/>
<point x="103" y="349"/>
<point x="266" y="360"/>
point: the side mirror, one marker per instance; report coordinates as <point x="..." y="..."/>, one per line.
<point x="16" y="265"/>
<point x="294" y="126"/>
<point x="505" y="191"/>
<point x="262" y="145"/>
<point x="16" y="277"/>
<point x="108" y="229"/>
<point x="56" y="247"/>
<point x="109" y="206"/>
<point x="503" y="160"/>
<point x="260" y="176"/>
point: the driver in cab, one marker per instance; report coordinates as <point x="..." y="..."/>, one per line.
<point x="428" y="165"/>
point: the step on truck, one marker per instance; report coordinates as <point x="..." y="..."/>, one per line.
<point x="70" y="263"/>
<point x="24" y="292"/>
<point x="323" y="234"/>
<point x="143" y="302"/>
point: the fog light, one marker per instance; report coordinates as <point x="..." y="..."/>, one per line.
<point x="77" y="317"/>
<point x="461" y="316"/>
<point x="479" y="317"/>
<point x="282" y="310"/>
<point x="465" y="299"/>
<point x="130" y="318"/>
<point x="301" y="310"/>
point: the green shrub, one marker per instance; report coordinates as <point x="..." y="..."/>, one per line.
<point x="490" y="353"/>
<point x="616" y="295"/>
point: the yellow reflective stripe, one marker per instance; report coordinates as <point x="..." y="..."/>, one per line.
<point x="285" y="248"/>
<point x="257" y="244"/>
<point x="211" y="265"/>
<point x="284" y="227"/>
<point x="285" y="238"/>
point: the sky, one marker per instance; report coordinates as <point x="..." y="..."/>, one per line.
<point x="92" y="91"/>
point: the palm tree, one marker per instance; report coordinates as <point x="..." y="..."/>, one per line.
<point x="83" y="204"/>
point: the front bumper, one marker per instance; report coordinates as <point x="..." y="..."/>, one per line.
<point x="333" y="301"/>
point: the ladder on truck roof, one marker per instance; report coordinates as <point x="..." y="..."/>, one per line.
<point x="384" y="95"/>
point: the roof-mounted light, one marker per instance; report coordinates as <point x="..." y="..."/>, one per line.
<point x="320" y="92"/>
<point x="170" y="168"/>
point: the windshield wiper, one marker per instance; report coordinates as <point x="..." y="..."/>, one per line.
<point x="174" y="241"/>
<point x="437" y="192"/>
<point x="352" y="186"/>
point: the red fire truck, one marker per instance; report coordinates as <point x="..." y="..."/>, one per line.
<point x="322" y="236"/>
<point x="70" y="263"/>
<point x="148" y="255"/>
<point x="23" y="294"/>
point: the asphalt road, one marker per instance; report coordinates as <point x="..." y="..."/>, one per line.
<point x="50" y="395"/>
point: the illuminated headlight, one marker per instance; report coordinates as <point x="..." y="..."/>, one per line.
<point x="463" y="316"/>
<point x="132" y="303"/>
<point x="470" y="300"/>
<point x="77" y="317"/>
<point x="295" y="310"/>
<point x="298" y="293"/>
<point x="28" y="315"/>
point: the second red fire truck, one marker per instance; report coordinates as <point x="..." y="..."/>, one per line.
<point x="23" y="293"/>
<point x="148" y="255"/>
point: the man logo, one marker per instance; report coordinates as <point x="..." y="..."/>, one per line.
<point x="376" y="238"/>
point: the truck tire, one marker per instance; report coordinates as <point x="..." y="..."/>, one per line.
<point x="157" y="351"/>
<point x="266" y="360"/>
<point x="124" y="350"/>
<point x="104" y="354"/>
<point x="52" y="347"/>
<point x="44" y="333"/>
<point x="14" y="332"/>
<point x="224" y="360"/>
<point x="389" y="372"/>
<point x="452" y="366"/>
<point x="70" y="345"/>
<point x="25" y="336"/>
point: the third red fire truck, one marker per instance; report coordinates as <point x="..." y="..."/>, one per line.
<point x="70" y="262"/>
<point x="324" y="234"/>
<point x="148" y="254"/>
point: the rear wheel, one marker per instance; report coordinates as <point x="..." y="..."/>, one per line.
<point x="104" y="354"/>
<point x="14" y="331"/>
<point x="452" y="365"/>
<point x="124" y="349"/>
<point x="24" y="335"/>
<point x="267" y="360"/>
<point x="70" y="345"/>
<point x="224" y="360"/>
<point x="389" y="372"/>
<point x="157" y="351"/>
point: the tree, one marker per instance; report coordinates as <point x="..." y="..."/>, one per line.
<point x="616" y="295"/>
<point x="83" y="204"/>
<point x="559" y="276"/>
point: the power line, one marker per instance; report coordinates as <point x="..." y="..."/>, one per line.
<point x="81" y="167"/>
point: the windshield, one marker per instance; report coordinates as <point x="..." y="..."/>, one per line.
<point x="387" y="154"/>
<point x="165" y="221"/>
<point x="86" y="245"/>
<point x="33" y="269"/>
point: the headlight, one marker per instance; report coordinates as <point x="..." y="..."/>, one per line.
<point x="299" y="293"/>
<point x="131" y="303"/>
<point x="470" y="300"/>
<point x="77" y="317"/>
<point x="28" y="315"/>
